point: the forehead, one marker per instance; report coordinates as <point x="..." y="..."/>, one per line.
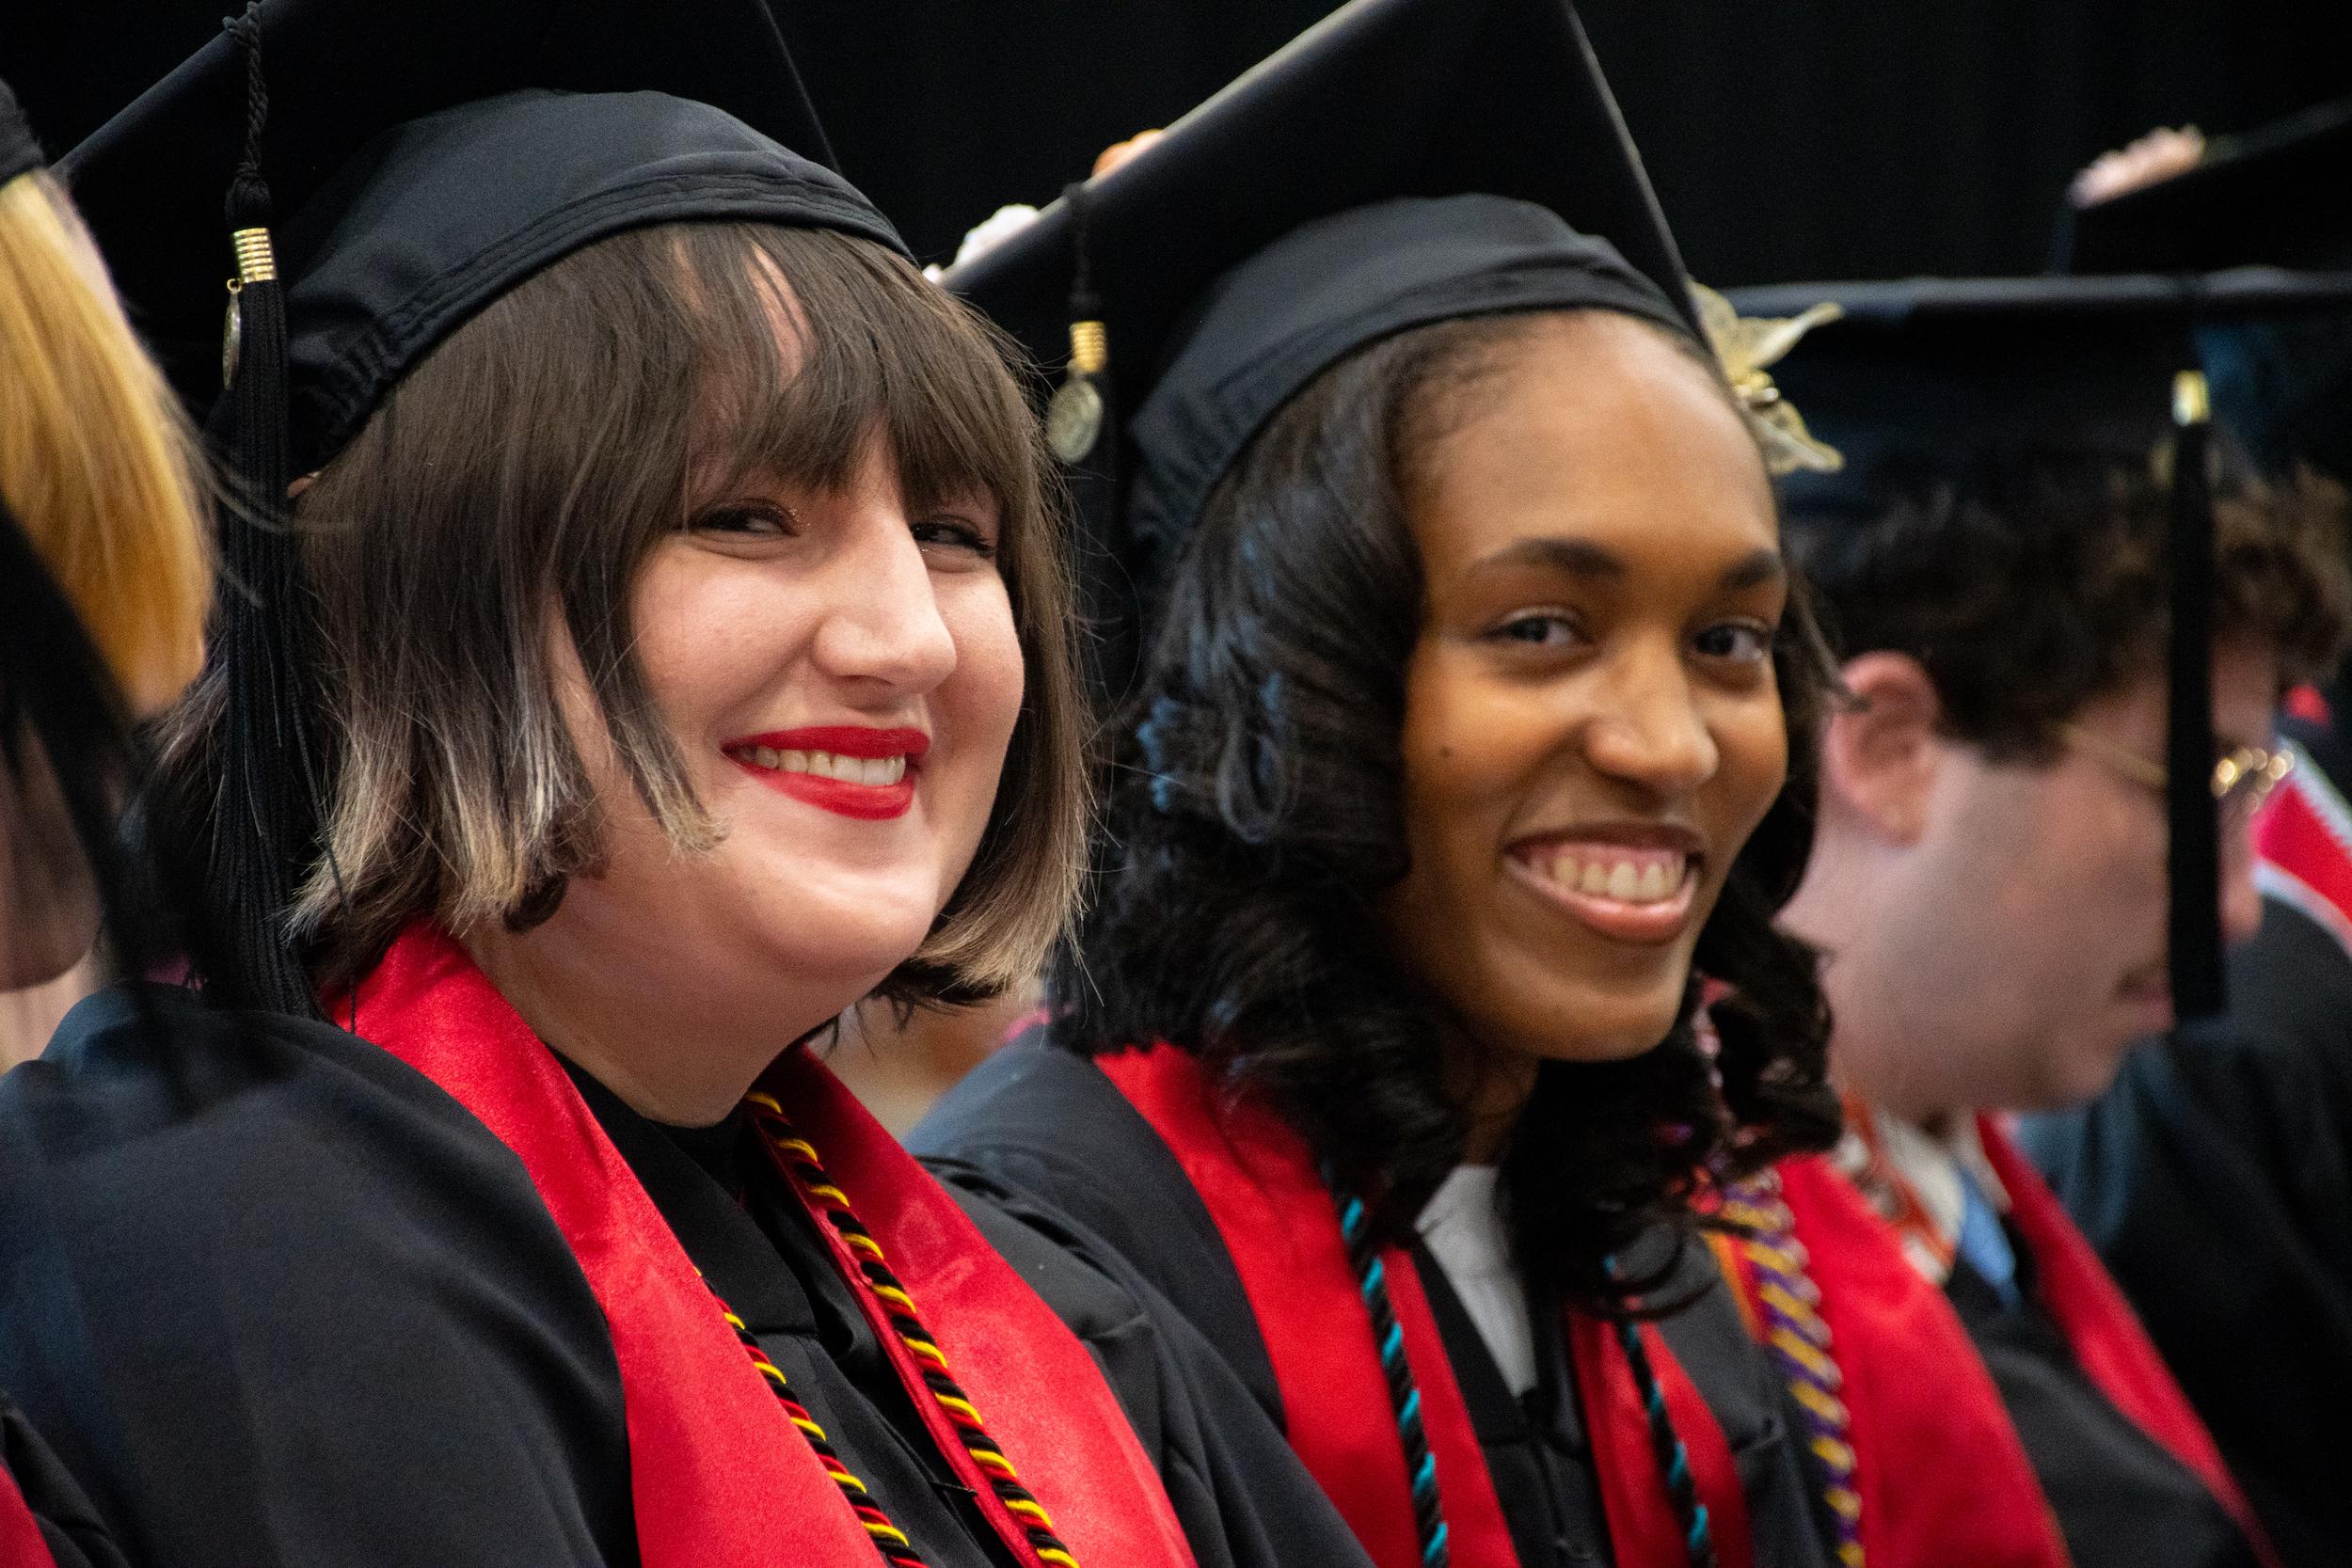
<point x="1597" y="427"/>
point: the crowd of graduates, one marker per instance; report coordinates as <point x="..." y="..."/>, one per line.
<point x="1616" y="923"/>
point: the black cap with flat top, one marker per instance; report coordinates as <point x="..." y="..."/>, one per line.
<point x="365" y="178"/>
<point x="2280" y="196"/>
<point x="2277" y="195"/>
<point x="423" y="156"/>
<point x="1402" y="162"/>
<point x="1926" y="385"/>
<point x="1926" y="374"/>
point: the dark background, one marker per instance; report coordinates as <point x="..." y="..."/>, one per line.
<point x="1789" y="139"/>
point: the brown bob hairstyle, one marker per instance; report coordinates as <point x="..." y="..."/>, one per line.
<point x="509" y="489"/>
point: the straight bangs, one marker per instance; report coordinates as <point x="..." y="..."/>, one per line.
<point x="511" y="487"/>
<point x="870" y="347"/>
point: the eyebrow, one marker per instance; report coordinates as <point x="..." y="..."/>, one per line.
<point x="1582" y="558"/>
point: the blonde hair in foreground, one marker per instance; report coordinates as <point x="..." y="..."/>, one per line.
<point x="95" y="459"/>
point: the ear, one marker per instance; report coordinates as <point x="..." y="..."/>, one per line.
<point x="1880" y="753"/>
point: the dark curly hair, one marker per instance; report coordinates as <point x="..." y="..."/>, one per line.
<point x="2031" y="580"/>
<point x="1255" y="815"/>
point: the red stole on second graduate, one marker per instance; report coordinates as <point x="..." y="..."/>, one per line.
<point x="2304" y="840"/>
<point x="1280" y="1225"/>
<point x="2105" y="1334"/>
<point x="1943" y="1476"/>
<point x="21" y="1544"/>
<point x="719" y="1476"/>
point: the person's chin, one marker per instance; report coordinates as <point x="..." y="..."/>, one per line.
<point x="1604" y="1024"/>
<point x="843" y="930"/>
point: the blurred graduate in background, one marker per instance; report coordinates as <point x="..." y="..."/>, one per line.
<point x="2215" y="1176"/>
<point x="2065" y="628"/>
<point x="105" y="578"/>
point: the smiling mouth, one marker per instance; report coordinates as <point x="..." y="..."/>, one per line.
<point x="851" y="771"/>
<point x="1633" y="893"/>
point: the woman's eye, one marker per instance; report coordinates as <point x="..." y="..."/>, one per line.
<point x="1741" y="641"/>
<point x="1542" y="629"/>
<point x="747" y="520"/>
<point x="956" y="534"/>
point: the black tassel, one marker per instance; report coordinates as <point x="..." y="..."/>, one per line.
<point x="1082" y="427"/>
<point x="267" y="807"/>
<point x="2194" y="859"/>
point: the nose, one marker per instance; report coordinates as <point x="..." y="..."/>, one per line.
<point x="2241" y="902"/>
<point x="882" y="625"/>
<point x="1651" y="730"/>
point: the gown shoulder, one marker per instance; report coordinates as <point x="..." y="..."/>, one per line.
<point x="1240" y="1495"/>
<point x="273" y="1297"/>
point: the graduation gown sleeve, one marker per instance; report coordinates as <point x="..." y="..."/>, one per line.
<point x="273" y="1298"/>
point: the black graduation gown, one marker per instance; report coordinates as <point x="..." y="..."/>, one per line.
<point x="2216" y="1179"/>
<point x="2122" y="1500"/>
<point x="1037" y="1124"/>
<point x="280" y="1300"/>
<point x="69" y="1526"/>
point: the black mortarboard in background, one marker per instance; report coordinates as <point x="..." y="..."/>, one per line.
<point x="2282" y="197"/>
<point x="1927" y="381"/>
<point x="1424" y="158"/>
<point x="389" y="168"/>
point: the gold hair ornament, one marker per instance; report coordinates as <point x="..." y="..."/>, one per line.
<point x="1745" y="347"/>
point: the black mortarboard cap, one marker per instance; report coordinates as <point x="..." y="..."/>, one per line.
<point x="389" y="169"/>
<point x="422" y="156"/>
<point x="1402" y="161"/>
<point x="2280" y="196"/>
<point x="1927" y="381"/>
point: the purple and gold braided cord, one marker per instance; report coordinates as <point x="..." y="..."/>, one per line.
<point x="1798" y="1338"/>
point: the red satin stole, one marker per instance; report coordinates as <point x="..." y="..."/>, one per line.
<point x="1943" y="1476"/>
<point x="719" y="1477"/>
<point x="2115" y="1351"/>
<point x="1259" y="1182"/>
<point x="2304" y="839"/>
<point x="20" y="1546"/>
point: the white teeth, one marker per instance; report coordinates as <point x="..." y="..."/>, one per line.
<point x="1639" y="877"/>
<point x="876" y="772"/>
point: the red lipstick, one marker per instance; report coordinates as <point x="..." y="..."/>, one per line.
<point x="782" y="760"/>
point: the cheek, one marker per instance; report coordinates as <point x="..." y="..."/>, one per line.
<point x="710" y="635"/>
<point x="1469" y="741"/>
<point x="983" y="697"/>
<point x="1751" y="739"/>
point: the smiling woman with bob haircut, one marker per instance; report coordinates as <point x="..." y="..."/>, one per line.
<point x="1431" y="994"/>
<point x="665" y="648"/>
